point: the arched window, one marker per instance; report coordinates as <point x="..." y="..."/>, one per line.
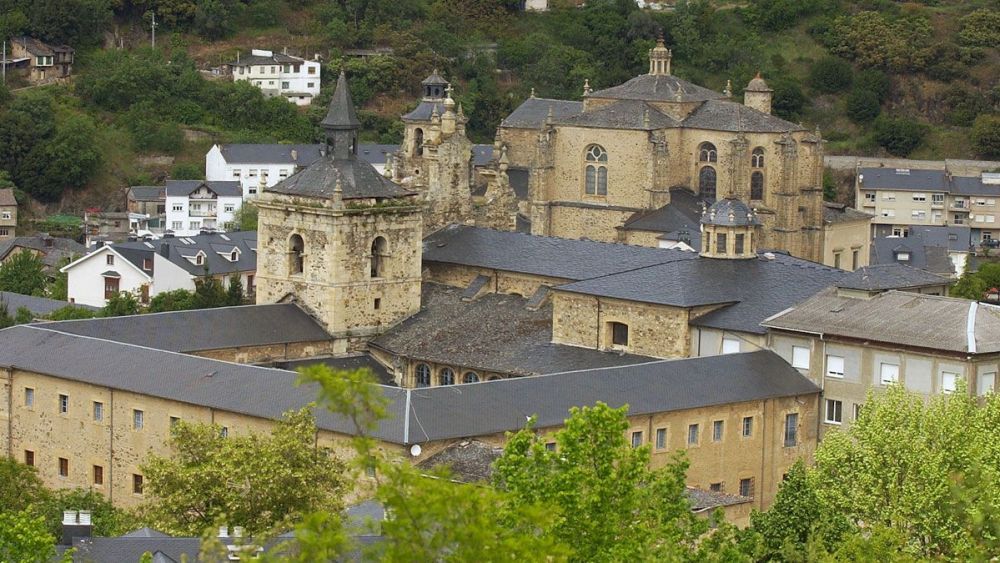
<point x="423" y="375"/>
<point x="447" y="376"/>
<point x="470" y="377"/>
<point x="296" y="249"/>
<point x="378" y="257"/>
<point x="596" y="170"/>
<point x="706" y="182"/>
<point x="707" y="153"/>
<point x="418" y="142"/>
<point x="757" y="158"/>
<point x="757" y="185"/>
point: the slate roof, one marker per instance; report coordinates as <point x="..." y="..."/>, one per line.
<point x="702" y="500"/>
<point x="658" y="88"/>
<point x="544" y="256"/>
<point x="841" y="213"/>
<point x="163" y="549"/>
<point x="271" y="153"/>
<point x="973" y="186"/>
<point x="202" y="329"/>
<point x="416" y="415"/>
<point x="481" y="154"/>
<point x="51" y="255"/>
<point x="678" y="219"/>
<point x="147" y="193"/>
<point x="341" y="114"/>
<point x="423" y="111"/>
<point x="39" y="306"/>
<point x="752" y="289"/>
<point x="724" y="115"/>
<point x="359" y="180"/>
<point x="730" y="212"/>
<point x="956" y="238"/>
<point x="7" y="197"/>
<point x="222" y="188"/>
<point x="913" y="180"/>
<point x="495" y="332"/>
<point x="881" y="277"/>
<point x="382" y="375"/>
<point x="177" y="249"/>
<point x="37" y="47"/>
<point x="928" y="247"/>
<point x="275" y="58"/>
<point x="623" y="114"/>
<point x="899" y="317"/>
<point x="532" y="112"/>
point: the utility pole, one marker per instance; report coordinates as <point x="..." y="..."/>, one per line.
<point x="153" y="27"/>
<point x="3" y="62"/>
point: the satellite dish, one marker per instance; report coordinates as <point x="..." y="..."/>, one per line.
<point x="415" y="450"/>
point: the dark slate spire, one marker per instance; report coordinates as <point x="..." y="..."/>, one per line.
<point x="341" y="122"/>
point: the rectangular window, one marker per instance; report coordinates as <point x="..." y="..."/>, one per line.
<point x="919" y="197"/>
<point x="224" y="432"/>
<point x="311" y="85"/>
<point x="987" y="383"/>
<point x="834" y="366"/>
<point x="619" y="334"/>
<point x="177" y="207"/>
<point x="720" y="243"/>
<point x="746" y="487"/>
<point x="137" y="419"/>
<point x="747" y="426"/>
<point x="888" y="196"/>
<point x="284" y="85"/>
<point x="283" y="173"/>
<point x="236" y="173"/>
<point x="857" y="411"/>
<point x="98" y="411"/>
<point x="377" y="303"/>
<point x="692" y="434"/>
<point x="111" y="286"/>
<point x="229" y="207"/>
<point x="98" y="475"/>
<point x="834" y="411"/>
<point x="636" y="439"/>
<point x="29" y="397"/>
<point x="147" y="264"/>
<point x="63" y="404"/>
<point x="110" y="258"/>
<point x="550" y="446"/>
<point x="800" y="357"/>
<point x="176" y="225"/>
<point x="870" y="197"/>
<point x="195" y="225"/>
<point x="937" y="199"/>
<point x="949" y="380"/>
<point x="715" y="487"/>
<point x="252" y="173"/>
<point x="888" y="212"/>
<point x="836" y="260"/>
<point x="29" y="458"/>
<point x="791" y="430"/>
<point x="63" y="467"/>
<point x="918" y="215"/>
<point x="855" y="254"/>
<point x="661" y="438"/>
<point x="738" y="243"/>
<point x="888" y="374"/>
<point x="5" y="215"/>
<point x="312" y="70"/>
<point x="717" y="427"/>
<point x="174" y="420"/>
<point x="730" y="346"/>
<point x="136" y="484"/>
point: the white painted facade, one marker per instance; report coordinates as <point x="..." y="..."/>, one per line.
<point x="87" y="284"/>
<point x="293" y="78"/>
<point x="202" y="209"/>
<point x="248" y="174"/>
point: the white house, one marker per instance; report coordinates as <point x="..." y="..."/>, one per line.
<point x="278" y="74"/>
<point x="147" y="268"/>
<point x="193" y="205"/>
<point x="272" y="163"/>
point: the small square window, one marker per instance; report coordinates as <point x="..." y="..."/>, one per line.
<point x="636" y="439"/>
<point x="730" y="346"/>
<point x="63" y="404"/>
<point x="137" y="419"/>
<point x="136" y="484"/>
<point x="746" y="487"/>
<point x="63" y="467"/>
<point x="949" y="382"/>
<point x="888" y="374"/>
<point x="715" y="487"/>
<point x="550" y="446"/>
<point x="98" y="475"/>
<point x="174" y="420"/>
<point x="692" y="434"/>
<point x="717" y="427"/>
<point x="747" y="426"/>
<point x="619" y="334"/>
<point x="834" y="366"/>
<point x="661" y="438"/>
<point x="800" y="357"/>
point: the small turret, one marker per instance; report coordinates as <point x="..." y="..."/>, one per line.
<point x="341" y="123"/>
<point x="729" y="229"/>
<point x="659" y="59"/>
<point x="757" y="95"/>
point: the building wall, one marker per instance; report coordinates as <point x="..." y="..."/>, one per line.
<point x="711" y="341"/>
<point x="850" y="241"/>
<point x="185" y="221"/>
<point x="248" y="174"/>
<point x="8" y="222"/>
<point x="85" y="284"/>
<point x="271" y="352"/>
<point x="501" y="281"/>
<point x="278" y="79"/>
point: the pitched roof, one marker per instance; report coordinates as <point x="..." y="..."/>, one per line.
<point x="203" y="329"/>
<point x="899" y="317"/>
<point x="729" y="212"/>
<point x="622" y="114"/>
<point x="147" y="193"/>
<point x="37" y="47"/>
<point x="724" y="115"/>
<point x="423" y="111"/>
<point x="974" y="186"/>
<point x="841" y="213"/>
<point x="222" y="188"/>
<point x="274" y="58"/>
<point x="182" y="250"/>
<point x="39" y="306"/>
<point x="60" y="249"/>
<point x="341" y="114"/>
<point x="658" y="88"/>
<point x="880" y="277"/>
<point x="544" y="256"/>
<point x="903" y="179"/>
<point x="927" y="250"/>
<point x="7" y="197"/>
<point x="304" y="155"/>
<point x="494" y="332"/>
<point x="358" y="180"/>
<point x="531" y="114"/>
<point x="678" y="219"/>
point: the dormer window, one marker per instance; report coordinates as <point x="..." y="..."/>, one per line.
<point x="903" y="256"/>
<point x="199" y="259"/>
<point x="234" y="256"/>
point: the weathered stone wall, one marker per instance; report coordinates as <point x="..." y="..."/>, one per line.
<point x="259" y="354"/>
<point x="500" y="281"/>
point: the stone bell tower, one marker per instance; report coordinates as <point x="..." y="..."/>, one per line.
<point x="340" y="239"/>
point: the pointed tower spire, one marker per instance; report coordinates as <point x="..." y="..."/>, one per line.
<point x="341" y="122"/>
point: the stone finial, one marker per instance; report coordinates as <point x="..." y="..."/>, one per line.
<point x="461" y="112"/>
<point x="338" y="194"/>
<point x="550" y="116"/>
<point x="435" y="114"/>
<point x="504" y="161"/>
<point x="659" y="59"/>
<point x="262" y="183"/>
<point x="679" y="93"/>
<point x="645" y="117"/>
<point x="729" y="89"/>
<point x="387" y="171"/>
<point x="586" y="87"/>
<point x="532" y="92"/>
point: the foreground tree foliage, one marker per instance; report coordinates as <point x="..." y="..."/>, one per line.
<point x="24" y="539"/>
<point x="23" y="274"/>
<point x="262" y="482"/>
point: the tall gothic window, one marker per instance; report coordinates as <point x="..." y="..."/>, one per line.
<point x="707" y="153"/>
<point x="757" y="185"/>
<point x="418" y="142"/>
<point x="378" y="257"/>
<point x="296" y="250"/>
<point x="757" y="158"/>
<point x="706" y="182"/>
<point x="597" y="170"/>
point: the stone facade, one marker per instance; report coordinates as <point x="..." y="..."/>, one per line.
<point x="8" y="214"/>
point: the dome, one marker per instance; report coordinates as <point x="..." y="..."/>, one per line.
<point x="757" y="84"/>
<point x="729" y="212"/>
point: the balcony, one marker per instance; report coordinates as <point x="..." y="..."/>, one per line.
<point x="210" y="212"/>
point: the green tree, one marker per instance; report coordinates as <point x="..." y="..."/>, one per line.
<point x="972" y="285"/>
<point x="20" y="486"/>
<point x="106" y="518"/>
<point x="261" y="481"/>
<point x="23" y="274"/>
<point x="176" y="300"/>
<point x="120" y="305"/>
<point x="986" y="136"/>
<point x="209" y="292"/>
<point x="23" y="315"/>
<point x="874" y="81"/>
<point x="900" y="136"/>
<point x="187" y="171"/>
<point x="71" y="312"/>
<point x="789" y="100"/>
<point x="830" y="75"/>
<point x="862" y="105"/>
<point x="234" y="293"/>
<point x="24" y="539"/>
<point x="981" y="28"/>
<point x="245" y="218"/>
<point x="6" y="319"/>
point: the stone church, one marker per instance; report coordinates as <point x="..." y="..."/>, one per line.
<point x="629" y="151"/>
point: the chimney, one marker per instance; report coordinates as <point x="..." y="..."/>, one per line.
<point x="223" y="532"/>
<point x="164" y="250"/>
<point x="295" y="155"/>
<point x="75" y="525"/>
<point x="237" y="531"/>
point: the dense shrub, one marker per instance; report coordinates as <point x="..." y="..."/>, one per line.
<point x="830" y="75"/>
<point x="862" y="105"/>
<point x="986" y="136"/>
<point x="899" y="136"/>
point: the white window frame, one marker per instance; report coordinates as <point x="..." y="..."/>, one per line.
<point x="800" y="357"/>
<point x="919" y="197"/>
<point x="888" y="196"/>
<point x="882" y="373"/>
<point x="832" y="361"/>
<point x="833" y="411"/>
<point x="730" y="345"/>
<point x="870" y="197"/>
<point x="138" y="419"/>
<point x="949" y="381"/>
<point x="987" y="382"/>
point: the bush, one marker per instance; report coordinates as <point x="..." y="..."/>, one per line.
<point x="981" y="28"/>
<point x="831" y="75"/>
<point x="963" y="106"/>
<point x="187" y="171"/>
<point x="788" y="99"/>
<point x="986" y="136"/>
<point x="874" y="81"/>
<point x="899" y="136"/>
<point x="862" y="106"/>
<point x="176" y="300"/>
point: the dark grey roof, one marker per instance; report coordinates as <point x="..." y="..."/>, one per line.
<point x="341" y="114"/>
<point x="756" y="288"/>
<point x="37" y="47"/>
<point x="957" y="238"/>
<point x="723" y="115"/>
<point x="658" y="88"/>
<point x="964" y="185"/>
<point x="178" y="249"/>
<point x="678" y="219"/>
<point x="275" y="58"/>
<point x="61" y="248"/>
<point x="39" y="306"/>
<point x="544" y="256"/>
<point x="145" y="533"/>
<point x="730" y="212"/>
<point x="107" y="550"/>
<point x="271" y="154"/>
<point x="147" y="193"/>
<point x="841" y="213"/>
<point x="7" y="197"/>
<point x="881" y="277"/>
<point x="912" y="179"/>
<point x="532" y="112"/>
<point x="495" y="332"/>
<point x="376" y="154"/>
<point x="623" y="114"/>
<point x="434" y="79"/>
<point x="222" y="188"/>
<point x="702" y="500"/>
<point x="423" y="111"/>
<point x="358" y="179"/>
<point x="928" y="248"/>
<point x="349" y="363"/>
<point x="203" y="329"/>
<point x="481" y="154"/>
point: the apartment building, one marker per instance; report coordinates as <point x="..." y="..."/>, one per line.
<point x="900" y="198"/>
<point x="8" y="214"/>
<point x="193" y="206"/>
<point x="279" y="74"/>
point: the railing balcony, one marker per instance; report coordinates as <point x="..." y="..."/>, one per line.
<point x="210" y="212"/>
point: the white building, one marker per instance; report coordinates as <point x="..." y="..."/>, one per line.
<point x="193" y="205"/>
<point x="147" y="268"/>
<point x="250" y="164"/>
<point x="277" y="74"/>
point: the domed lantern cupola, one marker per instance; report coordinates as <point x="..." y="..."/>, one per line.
<point x="434" y="87"/>
<point x="729" y="229"/>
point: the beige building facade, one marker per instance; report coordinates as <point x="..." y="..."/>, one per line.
<point x="8" y="214"/>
